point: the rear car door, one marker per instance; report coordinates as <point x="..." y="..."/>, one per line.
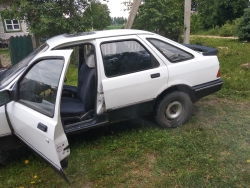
<point x="131" y="72"/>
<point x="34" y="115"/>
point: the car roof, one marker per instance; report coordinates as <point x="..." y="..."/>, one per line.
<point x="67" y="38"/>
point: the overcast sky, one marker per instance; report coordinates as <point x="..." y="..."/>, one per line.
<point x="116" y="8"/>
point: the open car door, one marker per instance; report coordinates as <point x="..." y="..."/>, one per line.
<point x="34" y="115"/>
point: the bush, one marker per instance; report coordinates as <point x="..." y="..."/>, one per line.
<point x="195" y="25"/>
<point x="229" y="29"/>
<point x="244" y="26"/>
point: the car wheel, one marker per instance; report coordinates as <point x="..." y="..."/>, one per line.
<point x="173" y="110"/>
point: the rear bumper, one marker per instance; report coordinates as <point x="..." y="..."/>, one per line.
<point x="207" y="88"/>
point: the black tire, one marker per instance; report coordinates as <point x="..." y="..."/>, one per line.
<point x="173" y="110"/>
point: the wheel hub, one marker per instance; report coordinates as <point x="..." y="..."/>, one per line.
<point x="173" y="110"/>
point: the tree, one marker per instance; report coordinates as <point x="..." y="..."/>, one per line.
<point x="218" y="12"/>
<point x="162" y="16"/>
<point x="118" y="20"/>
<point x="98" y="14"/>
<point x="53" y="17"/>
<point x="244" y="26"/>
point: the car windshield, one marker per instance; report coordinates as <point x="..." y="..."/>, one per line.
<point x="9" y="75"/>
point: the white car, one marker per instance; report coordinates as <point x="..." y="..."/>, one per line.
<point x="121" y="74"/>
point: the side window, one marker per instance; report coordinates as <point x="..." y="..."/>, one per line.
<point x="124" y="57"/>
<point x="172" y="53"/>
<point x="38" y="88"/>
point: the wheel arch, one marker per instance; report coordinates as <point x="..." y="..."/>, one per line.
<point x="182" y="88"/>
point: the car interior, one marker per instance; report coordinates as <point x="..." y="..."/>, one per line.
<point x="78" y="102"/>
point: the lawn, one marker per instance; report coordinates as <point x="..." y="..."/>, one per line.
<point x="211" y="150"/>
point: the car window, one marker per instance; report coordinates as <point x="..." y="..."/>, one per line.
<point x="172" y="53"/>
<point x="124" y="57"/>
<point x="38" y="88"/>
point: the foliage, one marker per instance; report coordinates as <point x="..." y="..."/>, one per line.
<point x="115" y="27"/>
<point x="195" y="24"/>
<point x="218" y="12"/>
<point x="162" y="16"/>
<point x="118" y="21"/>
<point x="244" y="26"/>
<point x="52" y="17"/>
<point x="229" y="29"/>
<point x="98" y="14"/>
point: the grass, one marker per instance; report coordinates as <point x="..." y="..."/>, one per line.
<point x="235" y="66"/>
<point x="211" y="150"/>
<point x="4" y="51"/>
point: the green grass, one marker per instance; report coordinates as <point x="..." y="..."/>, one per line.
<point x="4" y="51"/>
<point x="235" y="66"/>
<point x="211" y="150"/>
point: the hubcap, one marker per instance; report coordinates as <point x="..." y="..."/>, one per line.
<point x="173" y="110"/>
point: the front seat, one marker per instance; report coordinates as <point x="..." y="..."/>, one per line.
<point x="85" y="98"/>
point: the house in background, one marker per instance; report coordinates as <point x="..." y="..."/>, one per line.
<point x="9" y="28"/>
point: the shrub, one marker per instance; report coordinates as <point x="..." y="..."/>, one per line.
<point x="229" y="29"/>
<point x="195" y="23"/>
<point x="244" y="26"/>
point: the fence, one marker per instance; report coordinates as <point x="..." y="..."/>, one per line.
<point x="20" y="47"/>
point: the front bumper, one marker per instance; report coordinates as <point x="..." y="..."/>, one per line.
<point x="207" y="88"/>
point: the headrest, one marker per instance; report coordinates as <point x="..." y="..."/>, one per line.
<point x="90" y="58"/>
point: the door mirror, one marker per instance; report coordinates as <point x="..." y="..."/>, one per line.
<point x="4" y="97"/>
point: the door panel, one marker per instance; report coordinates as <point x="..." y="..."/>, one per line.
<point x="39" y="93"/>
<point x="131" y="72"/>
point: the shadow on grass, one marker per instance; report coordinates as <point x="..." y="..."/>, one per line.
<point x="24" y="153"/>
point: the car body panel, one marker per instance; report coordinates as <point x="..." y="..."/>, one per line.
<point x="205" y="68"/>
<point x="132" y="88"/>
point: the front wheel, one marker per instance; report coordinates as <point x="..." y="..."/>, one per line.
<point x="173" y="110"/>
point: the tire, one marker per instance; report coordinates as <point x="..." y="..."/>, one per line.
<point x="173" y="110"/>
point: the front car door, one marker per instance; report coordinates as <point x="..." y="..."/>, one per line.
<point x="35" y="114"/>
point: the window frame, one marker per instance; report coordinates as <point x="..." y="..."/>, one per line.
<point x="12" y="24"/>
<point x="124" y="40"/>
<point x="39" y="110"/>
<point x="192" y="56"/>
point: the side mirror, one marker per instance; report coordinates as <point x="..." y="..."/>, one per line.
<point x="4" y="97"/>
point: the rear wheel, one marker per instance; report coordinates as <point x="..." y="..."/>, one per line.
<point x="173" y="110"/>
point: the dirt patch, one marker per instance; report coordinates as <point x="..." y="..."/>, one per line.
<point x="246" y="65"/>
<point x="218" y="102"/>
<point x="222" y="47"/>
<point x="211" y="36"/>
<point x="4" y="61"/>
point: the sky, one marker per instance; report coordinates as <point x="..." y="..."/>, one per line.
<point x="116" y="8"/>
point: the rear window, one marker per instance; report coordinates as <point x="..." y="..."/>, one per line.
<point x="172" y="53"/>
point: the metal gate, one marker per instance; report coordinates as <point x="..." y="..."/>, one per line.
<point x="20" y="47"/>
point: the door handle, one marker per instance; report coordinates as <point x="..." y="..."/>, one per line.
<point x="155" y="75"/>
<point x="42" y="127"/>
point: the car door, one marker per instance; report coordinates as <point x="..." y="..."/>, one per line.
<point x="34" y="115"/>
<point x="131" y="72"/>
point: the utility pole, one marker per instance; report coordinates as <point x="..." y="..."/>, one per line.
<point x="132" y="14"/>
<point x="187" y="16"/>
